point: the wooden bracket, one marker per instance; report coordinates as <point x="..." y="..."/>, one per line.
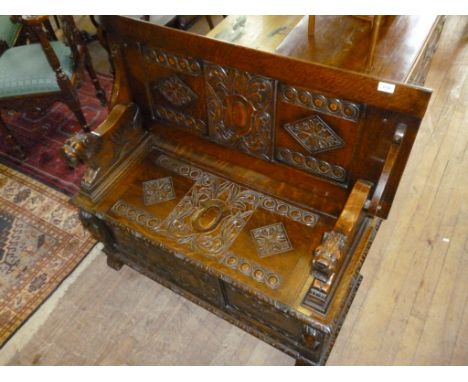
<point x="331" y="254"/>
<point x="106" y="148"/>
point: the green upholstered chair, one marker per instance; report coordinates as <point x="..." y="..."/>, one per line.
<point x="34" y="76"/>
<point x="9" y="33"/>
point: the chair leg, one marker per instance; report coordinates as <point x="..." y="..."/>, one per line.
<point x="11" y="139"/>
<point x="73" y="103"/>
<point x="210" y="21"/>
<point x="100" y="93"/>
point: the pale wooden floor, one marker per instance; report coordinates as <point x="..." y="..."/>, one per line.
<point x="411" y="309"/>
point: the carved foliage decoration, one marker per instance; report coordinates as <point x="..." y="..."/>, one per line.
<point x="211" y="215"/>
<point x="318" y="102"/>
<point x="179" y="63"/>
<point x="314" y="134"/>
<point x="271" y="240"/>
<point x="240" y="109"/>
<point x="176" y="91"/>
<point x="311" y="164"/>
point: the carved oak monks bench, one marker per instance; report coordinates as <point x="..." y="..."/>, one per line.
<point x="250" y="183"/>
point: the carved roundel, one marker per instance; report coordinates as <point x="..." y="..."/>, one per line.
<point x="240" y="109"/>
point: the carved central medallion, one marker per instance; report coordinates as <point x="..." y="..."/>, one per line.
<point x="314" y="134"/>
<point x="210" y="217"/>
<point x="240" y="109"/>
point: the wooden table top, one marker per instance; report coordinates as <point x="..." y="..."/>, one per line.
<point x="340" y="41"/>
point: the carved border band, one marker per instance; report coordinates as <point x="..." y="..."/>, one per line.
<point x="252" y="270"/>
<point x="187" y="65"/>
<point x="136" y="215"/>
<point x="311" y="164"/>
<point x="266" y="202"/>
<point x="180" y="119"/>
<point x="318" y="102"/>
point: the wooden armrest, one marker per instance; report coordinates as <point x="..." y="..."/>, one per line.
<point x="106" y="147"/>
<point x="390" y="161"/>
<point x="330" y="255"/>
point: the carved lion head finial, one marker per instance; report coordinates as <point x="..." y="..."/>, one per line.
<point x="80" y="148"/>
<point x="328" y="253"/>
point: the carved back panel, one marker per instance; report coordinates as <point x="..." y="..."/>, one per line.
<point x="322" y="127"/>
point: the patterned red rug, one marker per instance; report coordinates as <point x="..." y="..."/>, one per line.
<point x="43" y="137"/>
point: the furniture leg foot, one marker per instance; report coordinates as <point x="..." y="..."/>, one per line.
<point x="114" y="263"/>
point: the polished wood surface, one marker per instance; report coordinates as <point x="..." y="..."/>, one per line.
<point x="346" y="42"/>
<point x="257" y="32"/>
<point x="192" y="181"/>
<point x="417" y="262"/>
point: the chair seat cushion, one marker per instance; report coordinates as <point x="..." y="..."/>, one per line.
<point x="25" y="69"/>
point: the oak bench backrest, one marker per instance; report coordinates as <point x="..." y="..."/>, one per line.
<point x="325" y="127"/>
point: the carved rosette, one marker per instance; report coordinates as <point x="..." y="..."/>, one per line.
<point x="240" y="109"/>
<point x="314" y="134"/>
<point x="158" y="191"/>
<point x="271" y="240"/>
<point x="177" y="92"/>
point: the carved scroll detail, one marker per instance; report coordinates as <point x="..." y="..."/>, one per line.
<point x="176" y="91"/>
<point x="187" y="65"/>
<point x="181" y="119"/>
<point x="318" y="102"/>
<point x="240" y="109"/>
<point x="314" y="134"/>
<point x="311" y="164"/>
<point x="271" y="240"/>
<point x="252" y="270"/>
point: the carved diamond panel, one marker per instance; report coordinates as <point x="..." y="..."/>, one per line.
<point x="240" y="109"/>
<point x="176" y="91"/>
<point x="158" y="191"/>
<point x="271" y="240"/>
<point x="314" y="134"/>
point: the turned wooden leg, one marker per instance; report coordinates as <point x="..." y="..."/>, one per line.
<point x="73" y="103"/>
<point x="311" y="27"/>
<point x="11" y="139"/>
<point x="376" y="23"/>
<point x="210" y="21"/>
<point x="100" y="93"/>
